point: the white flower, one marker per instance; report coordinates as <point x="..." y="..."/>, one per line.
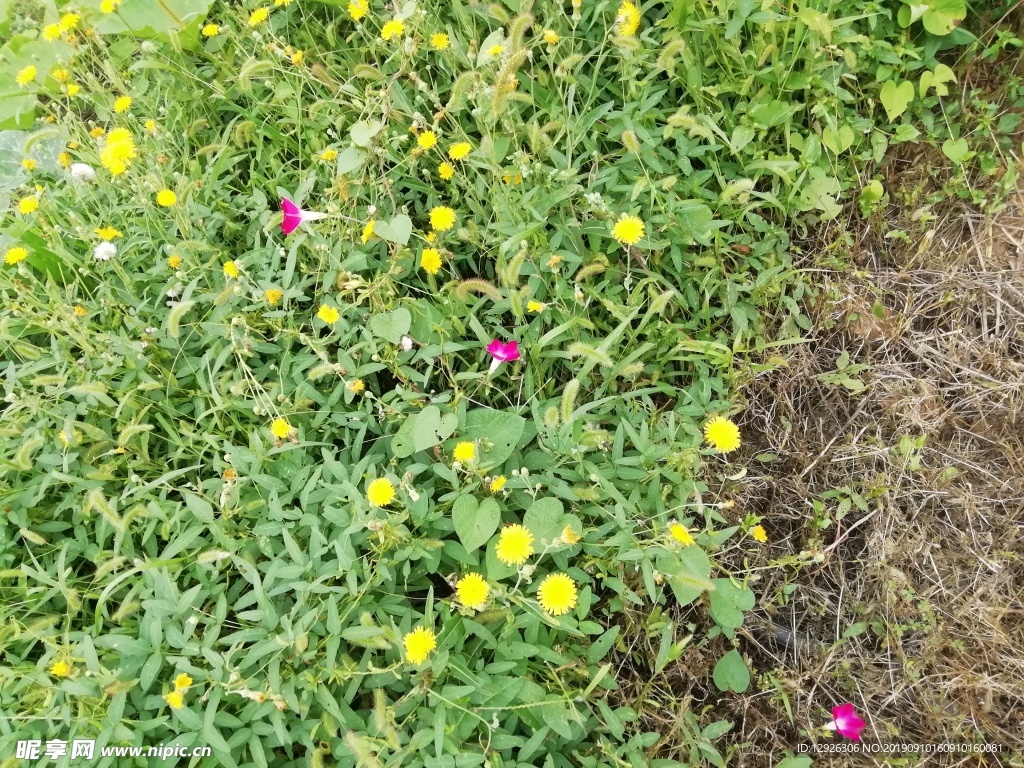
<point x="82" y="172"/>
<point x="406" y="343"/>
<point x="105" y="251"/>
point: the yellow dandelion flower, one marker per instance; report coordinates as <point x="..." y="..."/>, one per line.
<point x="60" y="669"/>
<point x="551" y="37"/>
<point x="680" y="534"/>
<point x="73" y="89"/>
<point x="79" y="311"/>
<point x="122" y="103"/>
<point x="418" y="645"/>
<point x="357" y="9"/>
<point x="329" y="155"/>
<point x="28" y="164"/>
<point x="380" y="492"/>
<point x="60" y="75"/>
<point x="258" y="16"/>
<point x="497" y="483"/>
<point x="628" y="19"/>
<point x="231" y="269"/>
<point x="430" y="261"/>
<point x="166" y="198"/>
<point x="174" y="261"/>
<point x="759" y="533"/>
<point x="427" y="140"/>
<point x="107" y="233"/>
<point x="109" y="6"/>
<point x="14" y="255"/>
<point x="393" y="28"/>
<point x="328" y="314"/>
<point x="722" y="434"/>
<point x="628" y="230"/>
<point x="297" y="57"/>
<point x="439" y="41"/>
<point x="459" y="150"/>
<point x="569" y="535"/>
<point x="534" y="306"/>
<point x="442" y="218"/>
<point x="26" y="75"/>
<point x="175" y="699"/>
<point x="465" y="451"/>
<point x="446" y="171"/>
<point x="64" y="159"/>
<point x="355" y="386"/>
<point x="51" y="32"/>
<point x="273" y="296"/>
<point x="367" y="231"/>
<point x="28" y="205"/>
<point x="150" y="125"/>
<point x="96" y="132"/>
<point x="280" y="428"/>
<point x="431" y="236"/>
<point x="69" y="21"/>
<point x="182" y="682"/>
<point x="210" y="30"/>
<point x="495" y="50"/>
<point x="119" y="149"/>
<point x="472" y="591"/>
<point x="515" y="545"/>
<point x="557" y="594"/>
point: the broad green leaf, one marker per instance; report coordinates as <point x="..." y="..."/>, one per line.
<point x="497" y="432"/>
<point x="422" y="431"/>
<point x="687" y="572"/>
<point x="391" y="326"/>
<point x="896" y="97"/>
<point x="397" y="230"/>
<point x="728" y="602"/>
<point x="731" y="673"/>
<point x="544" y="518"/>
<point x="474" y="522"/>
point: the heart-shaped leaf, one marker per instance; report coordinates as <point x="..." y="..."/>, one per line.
<point x="397" y="230"/>
<point x="896" y="98"/>
<point x="391" y="326"/>
<point x="474" y="522"/>
<point x="731" y="673"/>
<point x="955" y="150"/>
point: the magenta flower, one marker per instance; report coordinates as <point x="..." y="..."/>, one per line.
<point x="846" y="722"/>
<point x="502" y="352"/>
<point x="293" y="216"/>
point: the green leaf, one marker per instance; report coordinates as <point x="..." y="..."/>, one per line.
<point x="544" y="518"/>
<point x="397" y="230"/>
<point x="837" y="140"/>
<point x="896" y="97"/>
<point x="423" y="431"/>
<point x="362" y="133"/>
<point x="475" y="523"/>
<point x="351" y="159"/>
<point x="391" y="326"/>
<point x="955" y="150"/>
<point x="799" y="761"/>
<point x="728" y="603"/>
<point x="731" y="673"/>
<point x="943" y="16"/>
<point x="498" y="432"/>
<point x="687" y="572"/>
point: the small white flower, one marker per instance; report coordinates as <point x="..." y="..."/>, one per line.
<point x="105" y="251"/>
<point x="406" y="343"/>
<point x="82" y="172"/>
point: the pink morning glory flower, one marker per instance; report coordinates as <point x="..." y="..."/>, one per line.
<point x="293" y="216"/>
<point x="845" y="722"/>
<point x="502" y="352"/>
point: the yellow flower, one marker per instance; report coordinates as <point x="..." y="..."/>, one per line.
<point x="459" y="150"/>
<point x="515" y="545"/>
<point x="258" y="16"/>
<point x="393" y="28"/>
<point x="231" y="270"/>
<point x="26" y="75"/>
<point x="551" y="37"/>
<point x="122" y="104"/>
<point x="465" y="451"/>
<point x="680" y="534"/>
<point x="430" y="260"/>
<point x="175" y="699"/>
<point x="28" y="164"/>
<point x="60" y="75"/>
<point x="557" y="594"/>
<point x="69" y="21"/>
<point x="439" y="41"/>
<point x="51" y="32"/>
<point x="328" y="155"/>
<point x="418" y="645"/>
<point x="497" y="483"/>
<point x="14" y="255"/>
<point x="174" y="261"/>
<point x="182" y="682"/>
<point x="380" y="492"/>
<point x="513" y="180"/>
<point x="79" y="311"/>
<point x="723" y="434"/>
<point x="282" y="2"/>
<point x="759" y="534"/>
<point x="107" y="233"/>
<point x="166" y="198"/>
<point x="367" y="231"/>
<point x="357" y="9"/>
<point x="445" y="171"/>
<point x="628" y="230"/>
<point x="64" y="159"/>
<point x="495" y="50"/>
<point x="28" y="205"/>
<point x="150" y="125"/>
<point x="328" y="314"/>
<point x="272" y="296"/>
<point x="210" y="30"/>
<point x="119" y="149"/>
<point x="472" y="591"/>
<point x="297" y="57"/>
<point x="73" y="89"/>
<point x="96" y="132"/>
<point x="534" y="306"/>
<point x="355" y="386"/>
<point x="60" y="669"/>
<point x="430" y="236"/>
<point x="280" y="428"/>
<point x="109" y="6"/>
<point x="427" y="140"/>
<point x="442" y="218"/>
<point x="628" y="19"/>
<point x="569" y="535"/>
